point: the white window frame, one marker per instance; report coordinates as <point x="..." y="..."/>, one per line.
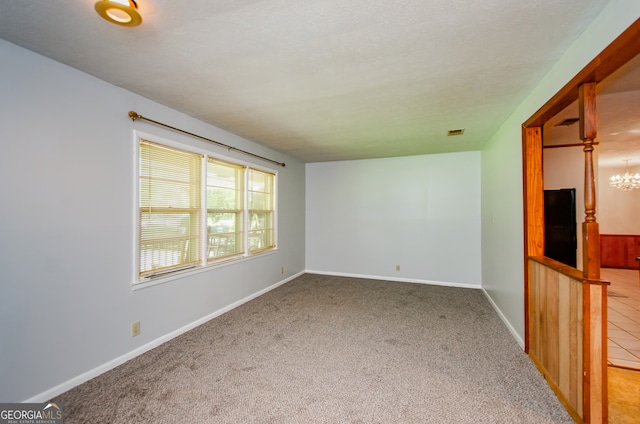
<point x="205" y="264"/>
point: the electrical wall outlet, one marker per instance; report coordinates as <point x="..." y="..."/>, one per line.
<point x="397" y="267"/>
<point x="135" y="329"/>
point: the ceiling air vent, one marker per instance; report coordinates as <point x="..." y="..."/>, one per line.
<point x="567" y="122"/>
<point x="456" y="132"/>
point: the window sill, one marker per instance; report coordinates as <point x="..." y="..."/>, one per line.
<point x="143" y="284"/>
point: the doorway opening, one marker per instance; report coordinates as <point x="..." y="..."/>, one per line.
<point x="593" y="344"/>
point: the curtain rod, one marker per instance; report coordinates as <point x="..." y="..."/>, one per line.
<point x="134" y="115"/>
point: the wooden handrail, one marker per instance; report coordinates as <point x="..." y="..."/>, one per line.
<point x="567" y="270"/>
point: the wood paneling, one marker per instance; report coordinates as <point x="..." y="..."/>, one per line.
<point x="619" y="250"/>
<point x="564" y="335"/>
<point x="597" y="349"/>
<point x="553" y="320"/>
<point x="568" y="335"/>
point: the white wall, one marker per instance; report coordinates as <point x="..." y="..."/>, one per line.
<point x="502" y="236"/>
<point x="618" y="210"/>
<point x="365" y="217"/>
<point x="66" y="229"/>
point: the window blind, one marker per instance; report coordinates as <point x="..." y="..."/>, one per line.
<point x="261" y="210"/>
<point x="170" y="208"/>
<point x="225" y="209"/>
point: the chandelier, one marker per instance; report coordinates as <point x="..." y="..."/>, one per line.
<point x="626" y="181"/>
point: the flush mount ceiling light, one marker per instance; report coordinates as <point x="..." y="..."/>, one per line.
<point x="120" y="12"/>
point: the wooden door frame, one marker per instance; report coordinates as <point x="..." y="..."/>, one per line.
<point x="624" y="48"/>
<point x="581" y="87"/>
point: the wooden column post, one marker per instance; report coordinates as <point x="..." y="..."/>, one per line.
<point x="533" y="190"/>
<point x="590" y="230"/>
<point x="594" y="297"/>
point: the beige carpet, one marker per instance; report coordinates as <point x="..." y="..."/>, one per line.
<point x="325" y="349"/>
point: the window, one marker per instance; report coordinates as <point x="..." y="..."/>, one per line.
<point x="225" y="209"/>
<point x="170" y="213"/>
<point x="260" y="210"/>
<point x="197" y="210"/>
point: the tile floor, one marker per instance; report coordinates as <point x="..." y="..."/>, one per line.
<point x="623" y="317"/>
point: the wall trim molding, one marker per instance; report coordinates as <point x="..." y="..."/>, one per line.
<point x="504" y="319"/>
<point x="400" y="280"/>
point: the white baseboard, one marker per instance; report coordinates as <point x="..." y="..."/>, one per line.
<point x="76" y="381"/>
<point x="513" y="331"/>
<point x="402" y="280"/>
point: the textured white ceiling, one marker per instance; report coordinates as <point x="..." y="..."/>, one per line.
<point x="319" y="79"/>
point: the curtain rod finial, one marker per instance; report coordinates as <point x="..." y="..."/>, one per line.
<point x="133" y="115"/>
